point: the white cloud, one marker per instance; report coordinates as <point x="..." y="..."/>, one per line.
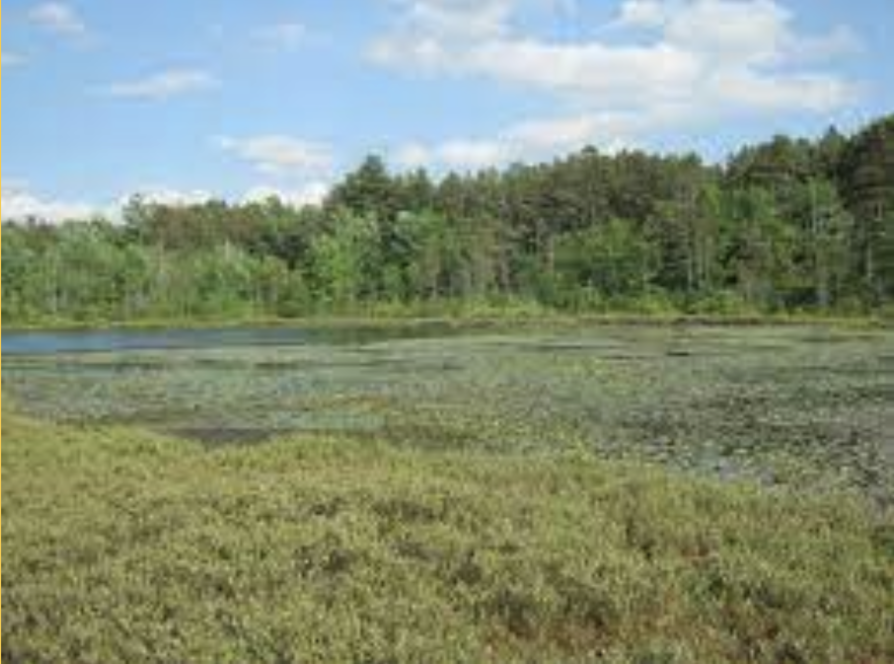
<point x="59" y="18"/>
<point x="280" y="155"/>
<point x="556" y="133"/>
<point x="12" y="59"/>
<point x="471" y="154"/>
<point x="309" y="193"/>
<point x="428" y="31"/>
<point x="807" y="92"/>
<point x="530" y="140"/>
<point x="641" y="14"/>
<point x="841" y="41"/>
<point x="413" y="155"/>
<point x="593" y="73"/>
<point x="165" y="84"/>
<point x="20" y="202"/>
<point x="171" y="196"/>
<point x="461" y="154"/>
<point x="461" y="18"/>
<point x="688" y="61"/>
<point x="287" y="35"/>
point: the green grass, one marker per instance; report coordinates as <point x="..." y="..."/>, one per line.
<point x="467" y="313"/>
<point x="126" y="546"/>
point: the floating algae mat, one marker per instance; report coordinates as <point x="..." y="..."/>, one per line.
<point x="792" y="405"/>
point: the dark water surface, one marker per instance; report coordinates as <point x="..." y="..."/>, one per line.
<point x="111" y="340"/>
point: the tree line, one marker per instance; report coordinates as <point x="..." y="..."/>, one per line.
<point x="787" y="225"/>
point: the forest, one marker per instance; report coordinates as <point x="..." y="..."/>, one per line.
<point x="789" y="225"/>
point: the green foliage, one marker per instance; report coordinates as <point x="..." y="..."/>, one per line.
<point x="722" y="302"/>
<point x="867" y="168"/>
<point x="344" y="261"/>
<point x="790" y="225"/>
<point x="123" y="546"/>
<point x="612" y="259"/>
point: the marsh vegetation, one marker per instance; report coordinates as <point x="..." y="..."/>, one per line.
<point x="563" y="493"/>
<point x="806" y="406"/>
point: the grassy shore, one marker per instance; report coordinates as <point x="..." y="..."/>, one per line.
<point x="126" y="546"/>
<point x="493" y="316"/>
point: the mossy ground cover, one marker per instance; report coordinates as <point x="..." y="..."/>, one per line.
<point x="126" y="545"/>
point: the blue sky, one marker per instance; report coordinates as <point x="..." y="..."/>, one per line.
<point x="184" y="99"/>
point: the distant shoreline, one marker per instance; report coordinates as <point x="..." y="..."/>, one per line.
<point x="474" y="320"/>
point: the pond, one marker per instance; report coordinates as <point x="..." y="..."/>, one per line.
<point x="107" y="340"/>
<point x="802" y="406"/>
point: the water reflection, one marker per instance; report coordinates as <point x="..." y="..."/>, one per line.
<point x="95" y="341"/>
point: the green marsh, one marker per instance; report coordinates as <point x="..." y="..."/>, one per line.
<point x="802" y="405"/>
<point x="549" y="494"/>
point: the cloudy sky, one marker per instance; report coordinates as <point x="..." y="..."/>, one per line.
<point x="183" y="99"/>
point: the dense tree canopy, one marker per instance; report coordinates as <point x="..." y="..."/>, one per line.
<point x="786" y="225"/>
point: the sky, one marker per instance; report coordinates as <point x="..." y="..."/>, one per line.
<point x="182" y="100"/>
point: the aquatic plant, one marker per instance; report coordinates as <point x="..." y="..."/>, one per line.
<point x="122" y="545"/>
<point x="802" y="406"/>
